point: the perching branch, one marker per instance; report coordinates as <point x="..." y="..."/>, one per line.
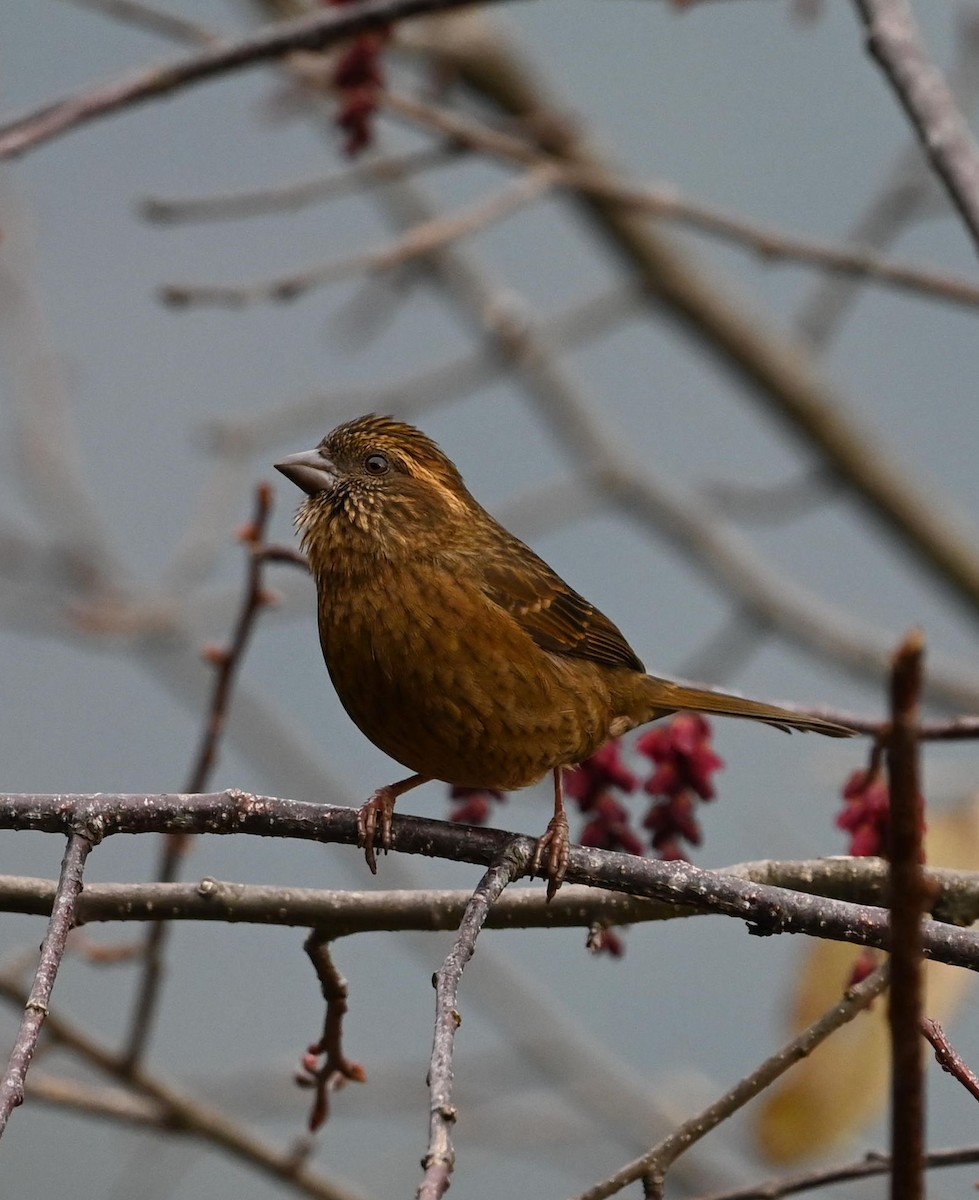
<point x="767" y="910"/>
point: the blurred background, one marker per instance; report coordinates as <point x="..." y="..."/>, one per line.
<point x="135" y="430"/>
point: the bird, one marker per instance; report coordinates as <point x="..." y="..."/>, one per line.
<point x="453" y="646"/>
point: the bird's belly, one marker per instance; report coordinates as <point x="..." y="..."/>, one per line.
<point x="473" y="702"/>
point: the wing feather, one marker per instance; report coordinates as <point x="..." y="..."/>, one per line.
<point x="554" y="614"/>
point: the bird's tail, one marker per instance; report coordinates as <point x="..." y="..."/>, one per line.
<point x="666" y="696"/>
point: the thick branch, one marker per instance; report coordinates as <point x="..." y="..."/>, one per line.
<point x="907" y="900"/>
<point x="768" y="910"/>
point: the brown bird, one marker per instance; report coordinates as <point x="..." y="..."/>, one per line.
<point x="452" y="645"/>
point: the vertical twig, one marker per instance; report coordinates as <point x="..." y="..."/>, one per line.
<point x="227" y="661"/>
<point x="52" y="951"/>
<point x="907" y="902"/>
<point x="439" y="1161"/>
<point x="336" y="1068"/>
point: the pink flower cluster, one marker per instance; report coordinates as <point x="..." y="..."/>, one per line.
<point x="682" y="776"/>
<point x="866" y="813"/>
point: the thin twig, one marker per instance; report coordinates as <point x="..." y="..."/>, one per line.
<point x="80" y="843"/>
<point x="150" y="20"/>
<point x="421" y="240"/>
<point x="864" y="1168"/>
<point x="908" y="898"/>
<point x="667" y="203"/>
<point x="948" y="1057"/>
<point x="227" y="661"/>
<point x="909" y="191"/>
<point x="652" y="1166"/>
<point x="291" y="197"/>
<point x="336" y="1069"/>
<point x="894" y="40"/>
<point x="781" y="377"/>
<point x="439" y="1161"/>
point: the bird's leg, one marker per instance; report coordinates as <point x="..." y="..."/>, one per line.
<point x="554" y="843"/>
<point x="379" y="809"/>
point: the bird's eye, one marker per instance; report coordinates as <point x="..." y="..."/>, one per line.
<point x="377" y="464"/>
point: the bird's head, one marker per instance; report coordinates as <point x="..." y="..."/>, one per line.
<point x="378" y="479"/>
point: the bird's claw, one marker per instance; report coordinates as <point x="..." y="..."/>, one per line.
<point x="378" y="811"/>
<point x="553" y="849"/>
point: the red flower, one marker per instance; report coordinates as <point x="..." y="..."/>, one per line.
<point x="684" y="756"/>
<point x="866" y="813"/>
<point x="605" y="769"/>
<point x="685" y="763"/>
<point x="610" y="828"/>
<point x="476" y="806"/>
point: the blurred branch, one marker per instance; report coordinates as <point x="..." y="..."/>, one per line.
<point x="653" y="1166"/>
<point x="226" y="661"/>
<point x="150" y="20"/>
<point x="291" y="197"/>
<point x="782" y="376"/>
<point x="80" y="843"/>
<point x="315" y="31"/>
<point x="909" y="191"/>
<point x="666" y="203"/>
<point x="423" y="239"/>
<point x="413" y="395"/>
<point x="894" y="40"/>
<point x="182" y="1113"/>
<point x="865" y="1168"/>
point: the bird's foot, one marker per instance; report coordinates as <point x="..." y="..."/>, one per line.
<point x="553" y="849"/>
<point x="377" y="812"/>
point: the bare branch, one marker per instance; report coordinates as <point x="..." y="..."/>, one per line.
<point x="423" y="239"/>
<point x="336" y="1069"/>
<point x="184" y="1114"/>
<point x="768" y="910"/>
<point x="227" y="661"/>
<point x="894" y="40"/>
<point x="80" y="844"/>
<point x="955" y="899"/>
<point x="653" y="1165"/>
<point x="291" y="197"/>
<point x="864" y="1168"/>
<point x="316" y="31"/>
<point x="908" y="900"/>
<point x="948" y="1058"/>
<point x="439" y="1161"/>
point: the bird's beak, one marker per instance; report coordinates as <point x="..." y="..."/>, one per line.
<point x="310" y="470"/>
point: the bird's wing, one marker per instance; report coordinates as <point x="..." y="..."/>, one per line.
<point x="555" y="615"/>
